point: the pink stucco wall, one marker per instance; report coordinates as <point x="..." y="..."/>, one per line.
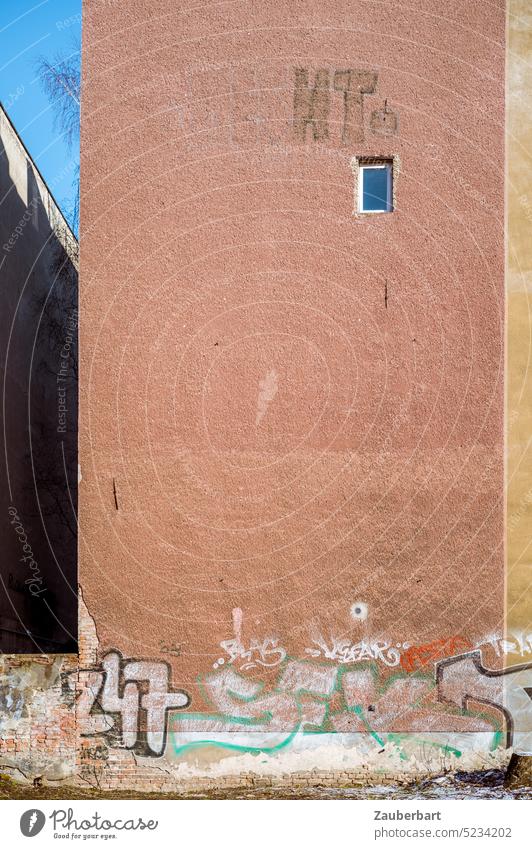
<point x="287" y="409"/>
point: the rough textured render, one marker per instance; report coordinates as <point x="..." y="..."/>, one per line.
<point x="292" y="431"/>
<point x="288" y="410"/>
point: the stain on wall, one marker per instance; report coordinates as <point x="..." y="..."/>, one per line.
<point x="312" y="104"/>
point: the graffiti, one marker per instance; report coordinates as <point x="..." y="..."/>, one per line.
<point x="416" y="657"/>
<point x="312" y="105"/>
<point x="238" y="704"/>
<point x="412" y="657"/>
<point x="464" y="679"/>
<point x="137" y="692"/>
<point x="409" y="657"/>
<point x="514" y="643"/>
<point x="266" y="652"/>
<point x="93" y="721"/>
<point x="342" y="687"/>
<point x="311" y="697"/>
<point x="344" y="651"/>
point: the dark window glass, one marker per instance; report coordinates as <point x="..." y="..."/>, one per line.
<point x="375" y="190"/>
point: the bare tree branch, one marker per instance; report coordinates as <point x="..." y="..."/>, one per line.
<point x="61" y="80"/>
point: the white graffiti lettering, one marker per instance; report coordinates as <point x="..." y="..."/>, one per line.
<point x="117" y="690"/>
<point x="344" y="651"/>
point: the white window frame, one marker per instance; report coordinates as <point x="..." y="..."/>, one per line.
<point x="389" y="187"/>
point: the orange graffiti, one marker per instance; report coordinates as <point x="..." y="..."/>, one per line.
<point x="417" y="657"/>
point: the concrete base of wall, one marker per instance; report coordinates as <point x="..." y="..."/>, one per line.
<point x="327" y="765"/>
<point x="314" y="780"/>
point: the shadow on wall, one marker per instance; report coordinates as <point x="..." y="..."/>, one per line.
<point x="38" y="460"/>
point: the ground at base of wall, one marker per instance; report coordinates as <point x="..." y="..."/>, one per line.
<point x="487" y="784"/>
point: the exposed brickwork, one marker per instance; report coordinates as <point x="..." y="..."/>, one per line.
<point x="39" y="728"/>
<point x="37" y="719"/>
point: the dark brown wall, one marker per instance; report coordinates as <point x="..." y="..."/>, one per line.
<point x="38" y="457"/>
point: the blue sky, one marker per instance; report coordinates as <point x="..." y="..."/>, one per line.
<point x="30" y="29"/>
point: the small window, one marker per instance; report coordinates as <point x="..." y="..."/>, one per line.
<point x="375" y="187"/>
